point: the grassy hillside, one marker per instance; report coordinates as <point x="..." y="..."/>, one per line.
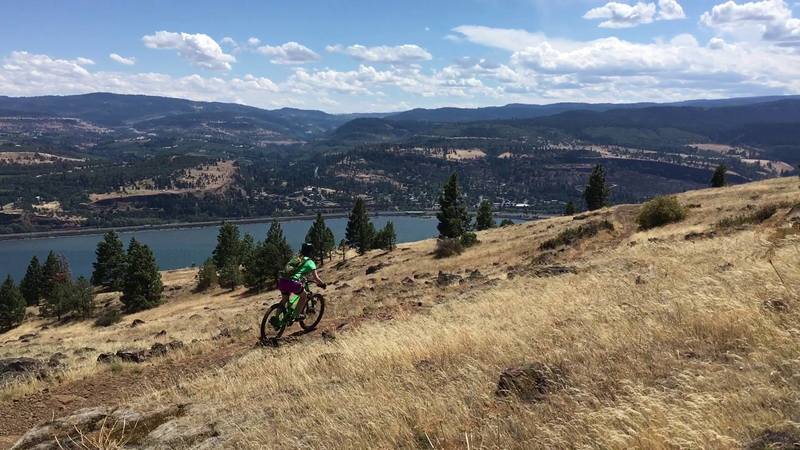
<point x="683" y="336"/>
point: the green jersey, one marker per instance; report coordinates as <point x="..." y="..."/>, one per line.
<point x="299" y="267"/>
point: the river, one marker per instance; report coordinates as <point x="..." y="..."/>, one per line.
<point x="183" y="247"/>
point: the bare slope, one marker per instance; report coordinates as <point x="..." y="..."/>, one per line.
<point x="682" y="336"/>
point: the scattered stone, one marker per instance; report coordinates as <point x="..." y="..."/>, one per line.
<point x="106" y="358"/>
<point x="161" y="333"/>
<point x="532" y="382"/>
<point x="776" y="304"/>
<point x="408" y="281"/>
<point x="446" y="279"/>
<point x="639" y="279"/>
<point x="133" y="355"/>
<point x="553" y="271"/>
<point x="223" y="333"/>
<point x="28" y="337"/>
<point x="725" y="267"/>
<point x="56" y="360"/>
<point x="194" y="316"/>
<point x="159" y="349"/>
<point x="421" y="275"/>
<point x="697" y="235"/>
<point x="476" y="275"/>
<point x="136" y="323"/>
<point x="775" y="440"/>
<point x="375" y="268"/>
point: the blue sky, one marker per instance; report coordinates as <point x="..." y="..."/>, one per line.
<point x="382" y="56"/>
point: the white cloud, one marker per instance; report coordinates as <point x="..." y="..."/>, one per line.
<point x="253" y="41"/>
<point x="122" y="60"/>
<point x="771" y="19"/>
<point x="622" y="15"/>
<point x="407" y="53"/>
<point x="670" y="10"/>
<point x="503" y="38"/>
<point x="289" y="53"/>
<point x="229" y="42"/>
<point x="199" y="49"/>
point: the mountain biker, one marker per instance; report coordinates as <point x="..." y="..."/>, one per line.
<point x="299" y="269"/>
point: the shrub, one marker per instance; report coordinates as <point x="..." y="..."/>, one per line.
<point x="572" y="235"/>
<point x="506" y="223"/>
<point x="108" y="317"/>
<point x="469" y="239"/>
<point x="448" y="247"/>
<point x="230" y="277"/>
<point x="207" y="276"/>
<point x="759" y="216"/>
<point x="660" y="211"/>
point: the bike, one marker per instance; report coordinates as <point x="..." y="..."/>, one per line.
<point x="279" y="317"/>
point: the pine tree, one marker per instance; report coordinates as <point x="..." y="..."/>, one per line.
<point x="343" y="249"/>
<point x="247" y="248"/>
<point x="484" y="219"/>
<point x="230" y="276"/>
<point x="12" y="306"/>
<point x="596" y="192"/>
<point x="386" y="238"/>
<point x="570" y="210"/>
<point x="81" y="298"/>
<point x="32" y="284"/>
<point x="321" y="237"/>
<point x="55" y="275"/>
<point x="206" y="276"/>
<point x="718" y="178"/>
<point x="454" y="220"/>
<point x="142" y="286"/>
<point x="228" y="249"/>
<point x="109" y="266"/>
<point x="282" y="248"/>
<point x="360" y="231"/>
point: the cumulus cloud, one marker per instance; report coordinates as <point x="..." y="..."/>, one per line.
<point x="122" y="60"/>
<point x="772" y="19"/>
<point x="199" y="49"/>
<point x="670" y="10"/>
<point x="622" y="15"/>
<point x="253" y="41"/>
<point x="289" y="53"/>
<point x="400" y="54"/>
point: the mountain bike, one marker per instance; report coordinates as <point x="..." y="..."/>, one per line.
<point x="279" y="317"/>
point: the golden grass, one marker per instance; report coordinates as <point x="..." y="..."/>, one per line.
<point x="665" y="342"/>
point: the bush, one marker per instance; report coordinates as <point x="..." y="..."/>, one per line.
<point x="230" y="277"/>
<point x="660" y="211"/>
<point x="506" y="223"/>
<point x="572" y="235"/>
<point x="759" y="216"/>
<point x="448" y="247"/>
<point x="108" y="317"/>
<point x="469" y="239"/>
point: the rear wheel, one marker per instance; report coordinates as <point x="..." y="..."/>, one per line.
<point x="274" y="323"/>
<point x="315" y="308"/>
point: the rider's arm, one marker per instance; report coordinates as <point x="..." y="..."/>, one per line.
<point x="316" y="279"/>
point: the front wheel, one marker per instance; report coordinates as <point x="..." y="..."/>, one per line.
<point x="274" y="323"/>
<point x="315" y="308"/>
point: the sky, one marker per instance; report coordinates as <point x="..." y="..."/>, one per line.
<point x="380" y="56"/>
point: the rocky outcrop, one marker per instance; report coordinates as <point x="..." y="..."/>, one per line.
<point x="446" y="279"/>
<point x="122" y="427"/>
<point x="140" y="355"/>
<point x="15" y="368"/>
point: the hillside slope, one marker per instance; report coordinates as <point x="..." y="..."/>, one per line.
<point x="683" y="336"/>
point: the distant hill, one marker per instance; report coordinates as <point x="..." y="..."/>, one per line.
<point x="523" y="111"/>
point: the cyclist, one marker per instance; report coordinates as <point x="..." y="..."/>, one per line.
<point x="300" y="268"/>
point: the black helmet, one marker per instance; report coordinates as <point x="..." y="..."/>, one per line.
<point x="307" y="249"/>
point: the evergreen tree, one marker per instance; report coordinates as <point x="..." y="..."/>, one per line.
<point x="454" y="220"/>
<point x="12" y="306"/>
<point x="570" y="209"/>
<point x="283" y="250"/>
<point x="343" y="249"/>
<point x="207" y="275"/>
<point x="386" y="238"/>
<point x="718" y="178"/>
<point x="109" y="266"/>
<point x="247" y="248"/>
<point x="230" y="276"/>
<point x="360" y="231"/>
<point x="32" y="284"/>
<point x="55" y="275"/>
<point x="484" y="219"/>
<point x="596" y="192"/>
<point x="142" y="286"/>
<point x="321" y="237"/>
<point x="228" y="249"/>
<point x="81" y="300"/>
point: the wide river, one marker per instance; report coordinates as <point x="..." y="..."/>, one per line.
<point x="176" y="248"/>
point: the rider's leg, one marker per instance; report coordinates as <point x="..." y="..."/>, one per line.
<point x="301" y="304"/>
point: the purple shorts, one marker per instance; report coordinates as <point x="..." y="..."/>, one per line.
<point x="290" y="286"/>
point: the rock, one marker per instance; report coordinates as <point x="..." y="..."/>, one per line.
<point x="476" y="275"/>
<point x="421" y="275"/>
<point x="194" y="317"/>
<point x="532" y="382"/>
<point x="776" y="304"/>
<point x="408" y="281"/>
<point x="159" y="349"/>
<point x="161" y="333"/>
<point x="106" y="358"/>
<point x="28" y="337"/>
<point x="56" y="360"/>
<point x="133" y="355"/>
<point x="375" y="268"/>
<point x="552" y="271"/>
<point x="328" y="336"/>
<point x="446" y="279"/>
<point x="775" y="440"/>
<point x="223" y="333"/>
<point x="49" y="434"/>
<point x="136" y="323"/>
<point x="11" y="368"/>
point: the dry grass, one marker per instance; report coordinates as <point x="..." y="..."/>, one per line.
<point x="665" y="343"/>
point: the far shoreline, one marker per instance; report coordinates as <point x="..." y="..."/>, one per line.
<point x="218" y="222"/>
